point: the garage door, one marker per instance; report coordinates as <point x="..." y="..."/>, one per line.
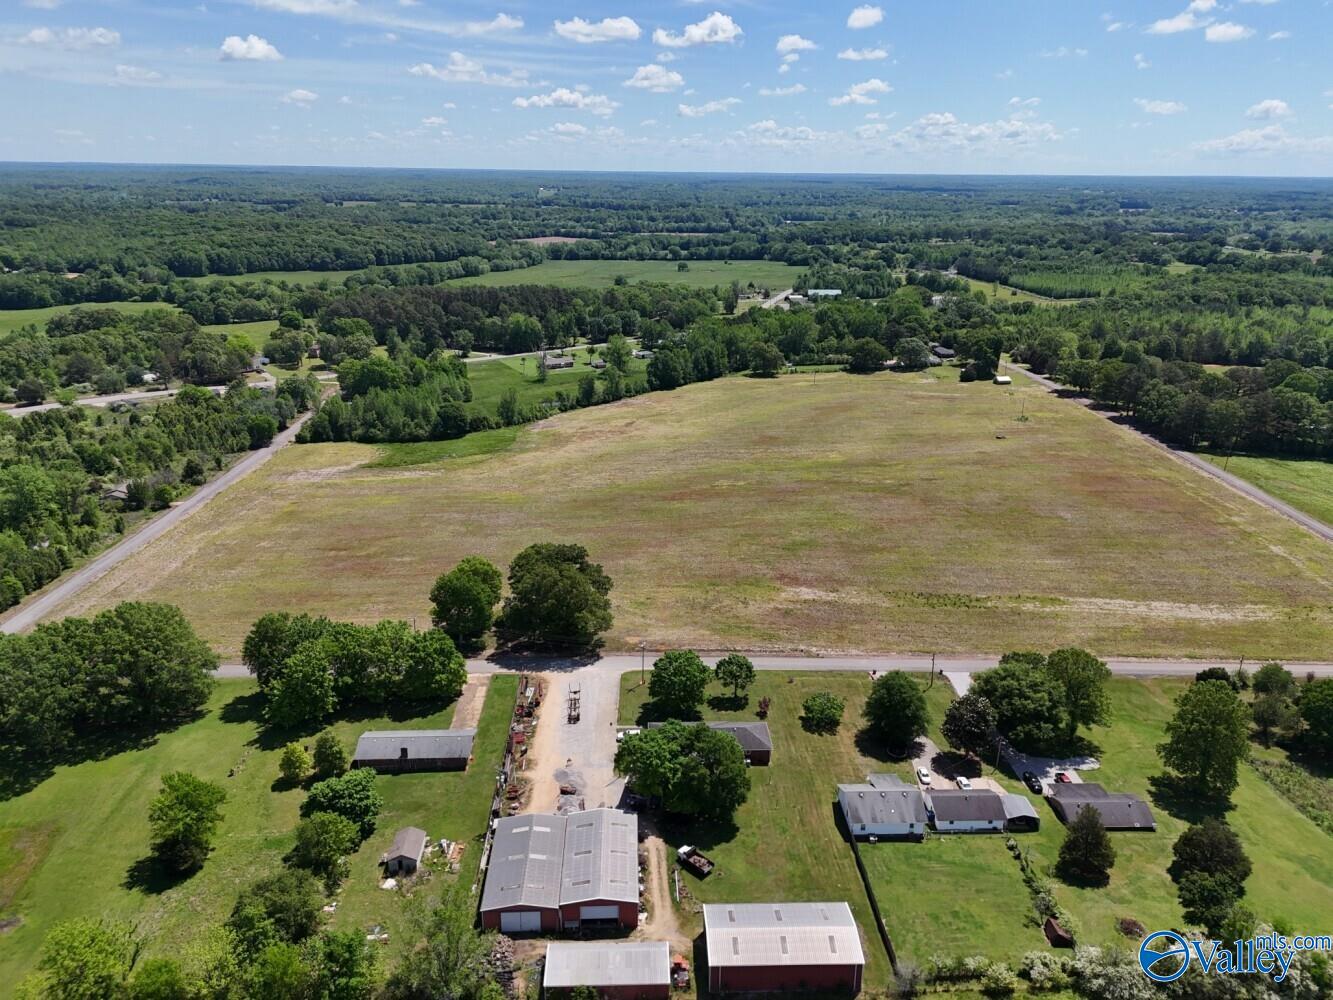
<point x="517" y="921"/>
<point x="599" y="913"/>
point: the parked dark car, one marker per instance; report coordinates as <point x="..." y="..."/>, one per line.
<point x="1033" y="782"/>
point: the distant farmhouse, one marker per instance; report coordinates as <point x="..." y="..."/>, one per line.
<point x="1116" y="810"/>
<point x="823" y="293"/>
<point x="551" y="873"/>
<point x="754" y="738"/>
<point x="553" y="362"/>
<point x="391" y="751"/>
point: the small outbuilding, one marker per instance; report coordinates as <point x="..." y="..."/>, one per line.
<point x="617" y="970"/>
<point x="883" y="807"/>
<point x="958" y="811"/>
<point x="391" y="751"/>
<point x="1002" y="380"/>
<point x="942" y="352"/>
<point x="404" y="857"/>
<point x="1020" y="815"/>
<point x="553" y="363"/>
<point x="783" y="948"/>
<point x="1116" y="810"/>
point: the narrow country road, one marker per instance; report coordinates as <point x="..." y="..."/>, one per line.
<point x="615" y="664"/>
<point x="772" y="302"/>
<point x="1241" y="486"/>
<point x="31" y="611"/>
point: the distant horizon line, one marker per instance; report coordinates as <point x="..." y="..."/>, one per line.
<point x="130" y="164"/>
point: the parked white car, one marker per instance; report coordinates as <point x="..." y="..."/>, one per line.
<point x="923" y="776"/>
<point x="964" y="784"/>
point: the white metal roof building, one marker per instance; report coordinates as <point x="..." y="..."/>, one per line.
<point x="616" y="968"/>
<point x="527" y="856"/>
<point x="782" y="946"/>
<point x="601" y="857"/>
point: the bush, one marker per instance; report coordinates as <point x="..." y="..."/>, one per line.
<point x="351" y="796"/>
<point x="330" y="758"/>
<point x="294" y="764"/>
<point x="822" y="712"/>
<point x="183" y="818"/>
<point x="896" y="709"/>
<point x="998" y="981"/>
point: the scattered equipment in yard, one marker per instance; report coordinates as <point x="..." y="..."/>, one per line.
<point x="695" y="860"/>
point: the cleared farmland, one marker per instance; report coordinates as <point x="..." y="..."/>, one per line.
<point x="811" y="512"/>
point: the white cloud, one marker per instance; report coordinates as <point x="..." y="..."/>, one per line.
<point x="865" y="16"/>
<point x="1269" y="110"/>
<point x="1186" y="20"/>
<point x="136" y="74"/>
<point x="1279" y="36"/>
<point x="251" y="47"/>
<point x="42" y="4"/>
<point x="1269" y="139"/>
<point x="859" y="93"/>
<point x="306" y="6"/>
<point x="461" y="69"/>
<point x="304" y="98"/>
<point x="1154" y="107"/>
<point x="434" y="121"/>
<point x="796" y="88"/>
<point x="655" y="77"/>
<point x="1024" y="102"/>
<point x="794" y="44"/>
<point x="863" y="55"/>
<point x="1227" y="31"/>
<point x="942" y="132"/>
<point x="712" y="30"/>
<point x="710" y="108"/>
<point x="568" y="128"/>
<point x="608" y="29"/>
<point x="577" y="100"/>
<point x="72" y="38"/>
<point x="769" y="133"/>
<point x="1141" y="61"/>
<point x="500" y="22"/>
<point x="1064" y="52"/>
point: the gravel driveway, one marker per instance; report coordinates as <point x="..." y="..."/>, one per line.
<point x="581" y="754"/>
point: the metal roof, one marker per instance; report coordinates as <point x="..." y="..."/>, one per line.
<point x="874" y="806"/>
<point x="741" y="935"/>
<point x="607" y="963"/>
<point x="527" y="856"/>
<point x="388" y="744"/>
<point x="409" y="842"/>
<point x="1117" y="810"/>
<point x="978" y="804"/>
<point x="750" y="735"/>
<point x="547" y="861"/>
<point x="1017" y="805"/>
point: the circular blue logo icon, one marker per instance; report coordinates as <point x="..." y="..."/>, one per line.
<point x="1159" y="946"/>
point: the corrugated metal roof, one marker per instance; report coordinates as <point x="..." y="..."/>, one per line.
<point x="388" y="744"/>
<point x="768" y="934"/>
<point x="978" y="804"/>
<point x="409" y="842"/>
<point x="544" y="860"/>
<point x="872" y="806"/>
<point x="527" y="856"/>
<point x="607" y="963"/>
<point x="1118" y="810"/>
<point x="1017" y="805"/>
<point x="601" y="856"/>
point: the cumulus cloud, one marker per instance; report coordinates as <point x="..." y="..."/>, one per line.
<point x="655" y="77"/>
<point x="249" y="48"/>
<point x="72" y="38"/>
<point x="500" y="22"/>
<point x="710" y="108"/>
<point x="714" y="29"/>
<point x="1141" y="61"/>
<point x="608" y="29"/>
<point x="865" y="16"/>
<point x="859" y="93"/>
<point x="1269" y="110"/>
<point x="576" y="100"/>
<point x="1192" y="17"/>
<point x="795" y="43"/>
<point x="136" y="75"/>
<point x="943" y="132"/>
<point x="461" y="69"/>
<point x="1227" y="31"/>
<point x="1279" y="36"/>
<point x="1154" y="107"/>
<point x="304" y="98"/>
<point x="1269" y="139"/>
<point x="769" y="133"/>
<point x="863" y="55"/>
<point x="794" y="89"/>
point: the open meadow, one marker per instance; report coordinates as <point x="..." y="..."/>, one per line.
<point x="1305" y="483"/>
<point x="811" y="512"/>
<point x="74" y="843"/>
<point x="603" y="273"/>
<point x="16" y="319"/>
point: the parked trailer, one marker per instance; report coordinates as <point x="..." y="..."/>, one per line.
<point x="695" y="860"/>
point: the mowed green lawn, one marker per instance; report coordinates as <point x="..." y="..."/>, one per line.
<point x="69" y="845"/>
<point x="786" y="844"/>
<point x="811" y="512"/>
<point x="492" y="379"/>
<point x="16" y="319"/>
<point x="603" y="273"/>
<point x="1306" y="484"/>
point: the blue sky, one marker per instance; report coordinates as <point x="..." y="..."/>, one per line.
<point x="987" y="86"/>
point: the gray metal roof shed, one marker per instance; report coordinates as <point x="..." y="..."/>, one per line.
<point x="409" y="842"/>
<point x="750" y="735"/>
<point x="796" y="934"/>
<point x="1117" y="810"/>
<point x="601" y="859"/>
<point x="870" y="806"/>
<point x="607" y="963"/>
<point x="527" y="856"/>
<point x="434" y="744"/>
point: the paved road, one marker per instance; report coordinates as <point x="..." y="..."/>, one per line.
<point x="1242" y="486"/>
<point x="621" y="663"/>
<point x="30" y="612"/>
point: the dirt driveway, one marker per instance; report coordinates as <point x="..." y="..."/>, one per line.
<point x="579" y="754"/>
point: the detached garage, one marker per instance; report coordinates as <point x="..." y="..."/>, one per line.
<point x="617" y="970"/>
<point x="783" y="948"/>
<point x="391" y="751"/>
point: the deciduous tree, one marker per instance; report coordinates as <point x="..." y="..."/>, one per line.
<point x="1207" y="738"/>
<point x="678" y="683"/>
<point x="183" y="819"/>
<point x="736" y="672"/>
<point x="896" y="708"/>
<point x="970" y="724"/>
<point x="1086" y="855"/>
<point x="557" y="597"/>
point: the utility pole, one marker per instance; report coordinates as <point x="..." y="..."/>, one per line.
<point x="932" y="672"/>
<point x="643" y="662"/>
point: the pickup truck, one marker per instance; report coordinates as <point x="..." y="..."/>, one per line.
<point x="695" y="860"/>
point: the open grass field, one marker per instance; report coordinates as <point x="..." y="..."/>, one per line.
<point x="334" y="278"/>
<point x="16" y="319"/>
<point x="811" y="512"/>
<point x="256" y="333"/>
<point x="997" y="292"/>
<point x="1306" y="484"/>
<point x="602" y="273"/>
<point x="492" y="379"/>
<point x="70" y="846"/>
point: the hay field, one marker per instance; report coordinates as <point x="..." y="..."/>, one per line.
<point x="810" y="512"/>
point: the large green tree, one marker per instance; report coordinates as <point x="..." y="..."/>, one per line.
<point x="970" y="724"/>
<point x="323" y="840"/>
<point x="84" y="959"/>
<point x="734" y="671"/>
<point x="1211" y="846"/>
<point x="1207" y="738"/>
<point x="1029" y="703"/>
<point x="694" y="770"/>
<point x="1083" y="679"/>
<point x="1316" y="704"/>
<point x="896" y="708"/>
<point x="184" y="818"/>
<point x="1086" y="854"/>
<point x="464" y="600"/>
<point x="678" y="683"/>
<point x="351" y="795"/>
<point x="448" y="955"/>
<point x="557" y="597"/>
<point x="279" y="908"/>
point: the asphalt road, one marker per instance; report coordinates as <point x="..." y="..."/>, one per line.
<point x="1241" y="486"/>
<point x="30" y="612"/>
<point x="621" y="663"/>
